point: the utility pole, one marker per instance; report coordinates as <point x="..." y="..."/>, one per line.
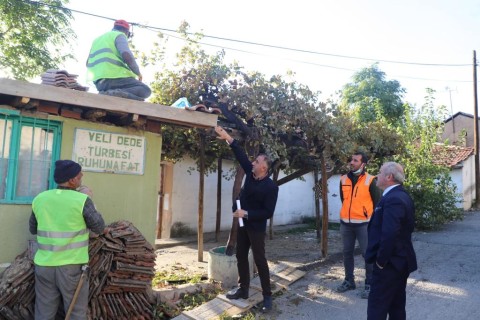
<point x="475" y="133"/>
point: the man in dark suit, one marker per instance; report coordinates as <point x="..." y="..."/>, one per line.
<point x="390" y="246"/>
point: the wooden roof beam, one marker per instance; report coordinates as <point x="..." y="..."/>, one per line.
<point x="152" y="111"/>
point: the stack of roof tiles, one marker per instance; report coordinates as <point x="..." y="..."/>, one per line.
<point x="122" y="267"/>
<point x="61" y="78"/>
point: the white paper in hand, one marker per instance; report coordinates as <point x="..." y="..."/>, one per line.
<point x="240" y="220"/>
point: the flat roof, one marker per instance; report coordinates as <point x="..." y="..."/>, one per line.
<point x="152" y="111"/>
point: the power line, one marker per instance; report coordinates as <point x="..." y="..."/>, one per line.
<point x="308" y="62"/>
<point x="261" y="44"/>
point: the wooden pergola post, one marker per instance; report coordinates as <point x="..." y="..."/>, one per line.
<point x="324" y="208"/>
<point x="218" y="221"/>
<point x="316" y="195"/>
<point x="200" y="196"/>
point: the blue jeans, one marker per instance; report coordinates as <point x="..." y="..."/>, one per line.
<point x="351" y="232"/>
<point x="135" y="89"/>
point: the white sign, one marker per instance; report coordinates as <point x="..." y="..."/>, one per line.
<point x="100" y="151"/>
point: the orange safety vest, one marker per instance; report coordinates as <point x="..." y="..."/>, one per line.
<point x="357" y="205"/>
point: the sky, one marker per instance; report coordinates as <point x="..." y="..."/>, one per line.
<point x="435" y="38"/>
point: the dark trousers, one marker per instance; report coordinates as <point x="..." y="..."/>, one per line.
<point x="387" y="294"/>
<point x="350" y="233"/>
<point x="135" y="89"/>
<point x="56" y="285"/>
<point x="247" y="239"/>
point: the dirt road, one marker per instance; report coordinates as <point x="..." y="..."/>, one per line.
<point x="295" y="245"/>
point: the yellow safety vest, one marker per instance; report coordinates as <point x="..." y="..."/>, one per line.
<point x="62" y="234"/>
<point x="105" y="61"/>
<point x="357" y="205"/>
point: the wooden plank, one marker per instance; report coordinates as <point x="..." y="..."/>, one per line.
<point x="297" y="274"/>
<point x="280" y="284"/>
<point x="291" y="274"/>
<point x="211" y="310"/>
<point x="221" y="306"/>
<point x="92" y="100"/>
<point x="279" y="267"/>
<point x="241" y="303"/>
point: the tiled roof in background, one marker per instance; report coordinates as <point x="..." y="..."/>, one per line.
<point x="449" y="155"/>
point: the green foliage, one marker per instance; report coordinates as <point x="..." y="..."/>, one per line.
<point x="435" y="199"/>
<point x="176" y="275"/>
<point x="247" y="316"/>
<point x="191" y="301"/>
<point x="33" y="37"/>
<point x="180" y="229"/>
<point x="387" y="129"/>
<point x="430" y="185"/>
<point x="378" y="139"/>
<point x="370" y="97"/>
<point x="188" y="301"/>
<point x="287" y="119"/>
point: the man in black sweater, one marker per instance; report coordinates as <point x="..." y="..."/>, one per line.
<point x="257" y="199"/>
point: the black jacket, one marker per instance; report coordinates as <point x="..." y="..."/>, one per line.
<point x="258" y="197"/>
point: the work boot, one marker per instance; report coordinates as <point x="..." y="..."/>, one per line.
<point x="267" y="304"/>
<point x="240" y="293"/>
<point x="116" y="93"/>
<point x="366" y="292"/>
<point x="345" y="286"/>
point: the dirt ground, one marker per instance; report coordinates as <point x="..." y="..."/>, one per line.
<point x="295" y="245"/>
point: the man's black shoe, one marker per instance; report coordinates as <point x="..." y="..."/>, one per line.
<point x="267" y="304"/>
<point x="240" y="293"/>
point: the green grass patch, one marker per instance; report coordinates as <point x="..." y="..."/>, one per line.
<point x="176" y="275"/>
<point x="310" y="225"/>
<point x="188" y="301"/>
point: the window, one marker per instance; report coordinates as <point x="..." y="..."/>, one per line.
<point x="29" y="148"/>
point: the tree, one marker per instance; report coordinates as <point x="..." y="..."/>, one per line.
<point x="388" y="129"/>
<point x="33" y="36"/>
<point x="430" y="185"/>
<point x="282" y="118"/>
<point x="371" y="97"/>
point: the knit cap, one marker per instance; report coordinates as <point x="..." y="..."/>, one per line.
<point x="66" y="170"/>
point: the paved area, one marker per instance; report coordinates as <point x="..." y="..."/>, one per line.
<point x="446" y="286"/>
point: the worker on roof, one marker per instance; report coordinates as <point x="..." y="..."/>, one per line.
<point x="112" y="66"/>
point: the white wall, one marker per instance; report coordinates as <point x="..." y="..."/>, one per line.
<point x="464" y="179"/>
<point x="295" y="199"/>
<point x="457" y="179"/>
<point x="468" y="182"/>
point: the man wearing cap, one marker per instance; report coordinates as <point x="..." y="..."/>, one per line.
<point x="112" y="66"/>
<point x="61" y="218"/>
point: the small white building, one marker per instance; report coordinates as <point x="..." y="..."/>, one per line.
<point x="461" y="162"/>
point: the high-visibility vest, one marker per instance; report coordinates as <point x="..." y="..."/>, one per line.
<point x="62" y="234"/>
<point x="357" y="205"/>
<point x="105" y="61"/>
